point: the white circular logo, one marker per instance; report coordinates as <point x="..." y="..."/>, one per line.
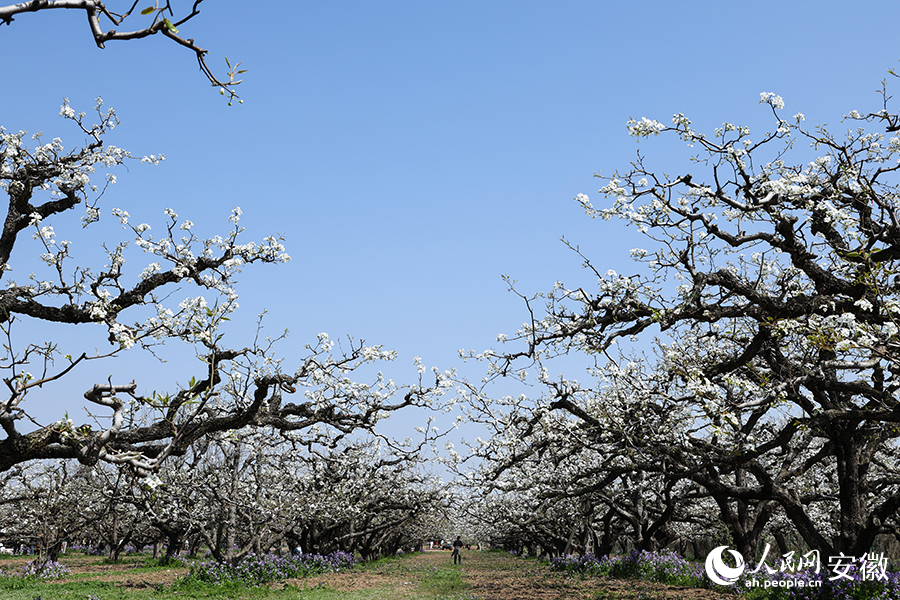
<point x="721" y="573"/>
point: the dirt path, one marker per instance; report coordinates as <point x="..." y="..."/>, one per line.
<point x="495" y="576"/>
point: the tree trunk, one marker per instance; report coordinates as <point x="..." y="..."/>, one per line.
<point x="852" y="472"/>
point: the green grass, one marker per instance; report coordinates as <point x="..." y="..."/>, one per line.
<point x="429" y="582"/>
<point x="444" y="582"/>
<point x="94" y="590"/>
<point x="426" y="582"/>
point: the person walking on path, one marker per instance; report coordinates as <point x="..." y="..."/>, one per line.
<point x="457" y="550"/>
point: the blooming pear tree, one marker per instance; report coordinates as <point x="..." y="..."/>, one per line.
<point x="155" y="18"/>
<point x="249" y="492"/>
<point x="239" y="493"/>
<point x="175" y="509"/>
<point x="234" y="387"/>
<point x="48" y="503"/>
<point x="573" y="482"/>
<point x="771" y="279"/>
<point x="239" y="498"/>
<point x="363" y="497"/>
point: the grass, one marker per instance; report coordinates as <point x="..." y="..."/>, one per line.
<point x="384" y="579"/>
<point x="444" y="582"/>
<point x="98" y="590"/>
<point x="420" y="580"/>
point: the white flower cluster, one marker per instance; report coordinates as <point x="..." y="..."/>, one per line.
<point x="325" y="342"/>
<point x="776" y="102"/>
<point x="644" y="128"/>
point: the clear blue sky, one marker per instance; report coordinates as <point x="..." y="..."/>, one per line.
<point x="413" y="152"/>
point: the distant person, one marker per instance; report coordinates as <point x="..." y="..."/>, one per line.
<point x="457" y="547"/>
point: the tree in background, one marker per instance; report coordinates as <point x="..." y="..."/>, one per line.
<point x="241" y="494"/>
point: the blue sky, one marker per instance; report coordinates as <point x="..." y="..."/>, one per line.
<point x="411" y="153"/>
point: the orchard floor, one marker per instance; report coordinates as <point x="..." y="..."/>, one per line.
<point x="428" y="575"/>
<point x="499" y="576"/>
